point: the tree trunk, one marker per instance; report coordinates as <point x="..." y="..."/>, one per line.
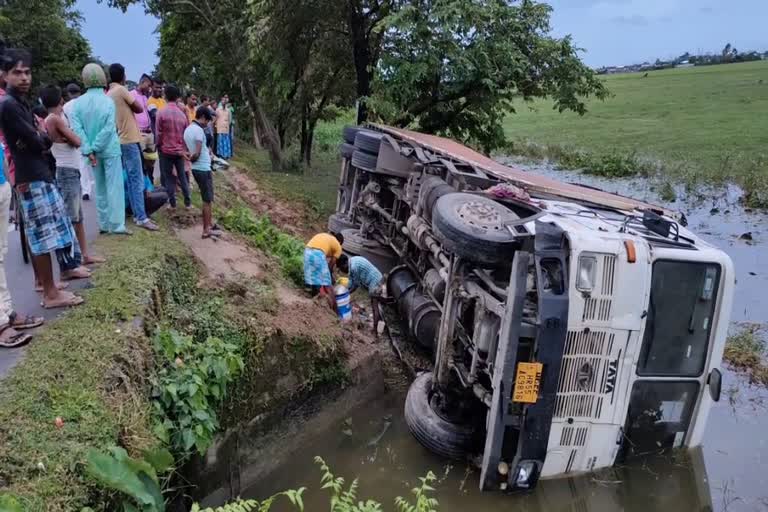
<point x="361" y="57"/>
<point x="307" y="136"/>
<point x="256" y="138"/>
<point x="267" y="133"/>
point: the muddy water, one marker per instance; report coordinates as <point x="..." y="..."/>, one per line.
<point x="730" y="473"/>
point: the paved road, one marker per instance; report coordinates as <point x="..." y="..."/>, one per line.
<point x="21" y="284"/>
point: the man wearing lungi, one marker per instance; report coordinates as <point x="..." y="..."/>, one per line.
<point x="46" y="223"/>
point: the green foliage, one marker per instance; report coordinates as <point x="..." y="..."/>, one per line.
<point x="745" y="350"/>
<point x="88" y="368"/>
<point x="294" y="496"/>
<point x="455" y="67"/>
<point x="269" y="238"/>
<point x="341" y="500"/>
<point x="9" y="503"/>
<point x="50" y="29"/>
<point x="191" y="380"/>
<point x="135" y="478"/>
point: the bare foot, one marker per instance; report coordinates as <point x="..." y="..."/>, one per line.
<point x="93" y="260"/>
<point x="76" y="273"/>
<point x="59" y="286"/>
<point x="62" y="300"/>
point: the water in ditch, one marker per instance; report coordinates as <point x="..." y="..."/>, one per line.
<point x="729" y="473"/>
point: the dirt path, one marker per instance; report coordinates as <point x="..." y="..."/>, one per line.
<point x="290" y="217"/>
<point x="225" y="258"/>
<point x="229" y="260"/>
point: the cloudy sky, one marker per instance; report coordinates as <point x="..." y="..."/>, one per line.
<point x="628" y="31"/>
<point x="613" y="32"/>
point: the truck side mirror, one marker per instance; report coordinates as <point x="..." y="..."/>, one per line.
<point x="715" y="383"/>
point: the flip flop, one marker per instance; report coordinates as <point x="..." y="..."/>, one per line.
<point x="20" y="322"/>
<point x="73" y="300"/>
<point x="13" y="340"/>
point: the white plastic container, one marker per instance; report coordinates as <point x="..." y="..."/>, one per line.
<point x="343" y="303"/>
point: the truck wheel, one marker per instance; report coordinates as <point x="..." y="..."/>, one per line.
<point x="349" y="132"/>
<point x="364" y="161"/>
<point x="382" y="257"/>
<point x="338" y="223"/>
<point x="450" y="440"/>
<point x="346" y="150"/>
<point x="368" y="141"/>
<point x="470" y="226"/>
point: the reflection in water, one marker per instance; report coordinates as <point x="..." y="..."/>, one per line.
<point x="389" y="465"/>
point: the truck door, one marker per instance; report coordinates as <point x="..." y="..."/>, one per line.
<point x="675" y="348"/>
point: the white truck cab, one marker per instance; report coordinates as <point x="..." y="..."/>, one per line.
<point x="569" y="328"/>
<point x="647" y="325"/>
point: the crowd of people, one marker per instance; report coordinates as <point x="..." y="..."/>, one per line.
<point x="100" y="141"/>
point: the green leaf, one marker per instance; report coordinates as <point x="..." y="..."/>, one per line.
<point x="117" y="475"/>
<point x="189" y="438"/>
<point x="160" y="458"/>
<point x="154" y="490"/>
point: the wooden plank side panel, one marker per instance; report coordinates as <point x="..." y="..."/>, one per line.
<point x="531" y="182"/>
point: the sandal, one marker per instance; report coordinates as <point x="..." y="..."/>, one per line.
<point x="11" y="338"/>
<point x="68" y="300"/>
<point x="18" y="321"/>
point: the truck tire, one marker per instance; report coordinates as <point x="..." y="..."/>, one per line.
<point x="382" y="257"/>
<point x="446" y="439"/>
<point x="470" y="226"/>
<point x="434" y="194"/>
<point x="338" y="223"/>
<point x="364" y="161"/>
<point x="349" y="132"/>
<point x="346" y="150"/>
<point x="368" y="141"/>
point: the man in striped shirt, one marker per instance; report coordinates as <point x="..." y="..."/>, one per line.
<point x="364" y="274"/>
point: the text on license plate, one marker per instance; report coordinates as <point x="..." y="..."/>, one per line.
<point x="527" y="383"/>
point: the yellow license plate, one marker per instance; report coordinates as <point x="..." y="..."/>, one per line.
<point x="527" y="383"/>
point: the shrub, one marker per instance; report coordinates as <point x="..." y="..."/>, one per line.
<point x="191" y="381"/>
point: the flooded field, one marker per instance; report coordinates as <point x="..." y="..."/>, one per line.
<point x="730" y="473"/>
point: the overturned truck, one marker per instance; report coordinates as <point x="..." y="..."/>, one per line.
<point x="570" y="328"/>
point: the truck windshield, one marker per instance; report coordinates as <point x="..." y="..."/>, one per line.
<point x="683" y="297"/>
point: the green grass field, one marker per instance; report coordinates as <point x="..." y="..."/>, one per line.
<point x="703" y="124"/>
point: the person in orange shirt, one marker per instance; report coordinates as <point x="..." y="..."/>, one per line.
<point x="191" y="106"/>
<point x="157" y="95"/>
<point x="320" y="256"/>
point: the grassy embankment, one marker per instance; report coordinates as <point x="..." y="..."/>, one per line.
<point x="95" y="367"/>
<point x="89" y="368"/>
<point x="698" y="126"/>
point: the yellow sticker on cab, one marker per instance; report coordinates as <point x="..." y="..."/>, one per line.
<point x="527" y="383"/>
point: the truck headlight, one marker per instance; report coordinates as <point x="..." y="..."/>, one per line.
<point x="526" y="472"/>
<point x="586" y="273"/>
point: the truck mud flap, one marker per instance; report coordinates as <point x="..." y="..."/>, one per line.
<point x="516" y="446"/>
